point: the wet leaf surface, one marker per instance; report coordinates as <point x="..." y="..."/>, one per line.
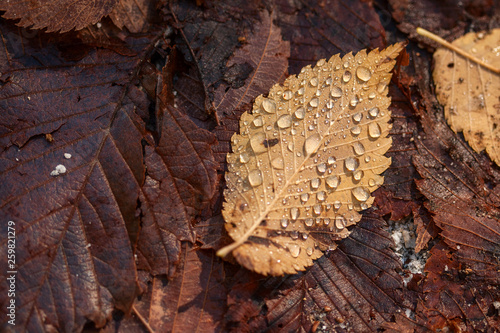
<point x="143" y="186"/>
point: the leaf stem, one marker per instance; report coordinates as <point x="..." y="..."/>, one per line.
<point x="452" y="47"/>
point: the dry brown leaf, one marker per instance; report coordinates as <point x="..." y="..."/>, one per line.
<point x="306" y="160"/>
<point x="469" y="92"/>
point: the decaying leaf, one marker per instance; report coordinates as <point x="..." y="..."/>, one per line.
<point x="469" y="92"/>
<point x="306" y="161"/>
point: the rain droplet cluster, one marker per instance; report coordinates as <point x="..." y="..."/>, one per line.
<point x="309" y="155"/>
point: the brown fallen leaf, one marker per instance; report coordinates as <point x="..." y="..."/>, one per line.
<point x="58" y="15"/>
<point x="469" y="92"/>
<point x="354" y="288"/>
<point x="133" y="14"/>
<point x="286" y="200"/>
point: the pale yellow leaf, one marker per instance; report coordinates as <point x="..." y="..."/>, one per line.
<point x="469" y="92"/>
<point x="306" y="160"/>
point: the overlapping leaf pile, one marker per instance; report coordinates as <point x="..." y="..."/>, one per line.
<point x="112" y="162"/>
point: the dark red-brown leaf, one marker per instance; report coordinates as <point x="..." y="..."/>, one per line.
<point x="59" y="15"/>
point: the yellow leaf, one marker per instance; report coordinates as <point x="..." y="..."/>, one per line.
<point x="306" y="160"/>
<point x="469" y="92"/>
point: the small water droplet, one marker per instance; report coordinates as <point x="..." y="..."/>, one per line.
<point x="287" y="95"/>
<point x="329" y="104"/>
<point x="314" y="81"/>
<point x="300" y="113"/>
<point x="258" y="121"/>
<point x="347" y="76"/>
<point x="294" y="249"/>
<point x="314" y="102"/>
<point x="356" y="130"/>
<point x="373" y="112"/>
<point x="361" y="193"/>
<point x="278" y="163"/>
<point x="329" y="81"/>
<point x="371" y="182"/>
<point x="374" y="130"/>
<point x="339" y="222"/>
<point x="363" y="73"/>
<point x="284" y="223"/>
<point x="257" y="142"/>
<point x="244" y="157"/>
<point x="317" y="209"/>
<point x="305" y="236"/>
<point x="290" y="146"/>
<point x="269" y="106"/>
<point x="284" y="121"/>
<point x="358" y="175"/>
<point x="312" y="143"/>
<point x="358" y="148"/>
<point x="294" y="234"/>
<point x="300" y="91"/>
<point x="255" y="178"/>
<point x="336" y="92"/>
<point x="337" y="204"/>
<point x="294" y="213"/>
<point x="304" y="197"/>
<point x="321" y="168"/>
<point x="326" y="221"/>
<point x="351" y="163"/>
<point x="315" y="182"/>
<point x="354" y="101"/>
<point x="331" y="160"/>
<point x="309" y="251"/>
<point x="320" y="196"/>
<point x="332" y="181"/>
<point x="346" y="64"/>
<point x="367" y="158"/>
<point x="372" y="95"/>
<point x="364" y="205"/>
<point x="309" y="222"/>
<point x="320" y="62"/>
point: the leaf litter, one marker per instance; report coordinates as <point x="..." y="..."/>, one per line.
<point x="306" y="160"/>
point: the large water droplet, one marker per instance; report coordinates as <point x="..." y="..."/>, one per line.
<point x="284" y="121"/>
<point x="300" y="113"/>
<point x="358" y="147"/>
<point x="257" y="142"/>
<point x="358" y="174"/>
<point x="321" y="168"/>
<point x="315" y="183"/>
<point x="339" y="222"/>
<point x="314" y="81"/>
<point x="294" y="249"/>
<point x="244" y="157"/>
<point x="304" y="197"/>
<point x="332" y="181"/>
<point x="374" y="130"/>
<point x="331" y="160"/>
<point x="351" y="163"/>
<point x="336" y="92"/>
<point x="269" y="106"/>
<point x="354" y="101"/>
<point x="361" y="193"/>
<point x="317" y="209"/>
<point x="312" y="143"/>
<point x="255" y="177"/>
<point x="287" y="95"/>
<point x="356" y="130"/>
<point x="347" y="76"/>
<point x="284" y="223"/>
<point x="373" y="112"/>
<point x="294" y="213"/>
<point x="320" y="196"/>
<point x="314" y="102"/>
<point x="309" y="222"/>
<point x="258" y="121"/>
<point x="357" y="117"/>
<point x="363" y="73"/>
<point x="278" y="163"/>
